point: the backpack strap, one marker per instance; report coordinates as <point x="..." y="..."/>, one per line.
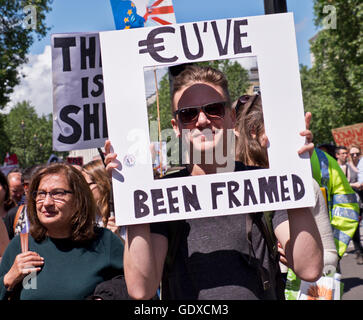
<point x="174" y="238"/>
<point x="264" y="276"/>
<point x="20" y="209"/>
<point x="175" y="230"/>
<point x="249" y="222"/>
<point x="265" y="225"/>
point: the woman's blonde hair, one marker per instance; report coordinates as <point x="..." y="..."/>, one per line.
<point x="84" y="215"/>
<point x="98" y="174"/>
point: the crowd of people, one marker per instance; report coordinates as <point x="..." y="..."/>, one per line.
<point x="58" y="227"/>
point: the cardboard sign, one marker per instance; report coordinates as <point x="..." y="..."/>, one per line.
<point x="138" y="197"/>
<point x="10" y="159"/>
<point x="345" y="136"/>
<point x="79" y="112"/>
<point x="10" y="162"/>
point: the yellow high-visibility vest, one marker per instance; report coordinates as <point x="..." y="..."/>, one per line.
<point x="341" y="199"/>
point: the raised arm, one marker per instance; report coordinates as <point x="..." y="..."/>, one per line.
<point x="299" y="236"/>
<point x="300" y="239"/>
<point x="144" y="252"/>
<point x="144" y="258"/>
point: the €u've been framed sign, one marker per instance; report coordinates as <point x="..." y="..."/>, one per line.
<point x="126" y="54"/>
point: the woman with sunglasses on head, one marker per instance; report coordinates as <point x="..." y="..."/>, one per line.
<point x="67" y="254"/>
<point x="251" y="142"/>
<point x="251" y="148"/>
<point x="209" y="258"/>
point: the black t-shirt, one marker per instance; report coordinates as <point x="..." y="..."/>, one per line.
<point x="9" y="221"/>
<point x="213" y="260"/>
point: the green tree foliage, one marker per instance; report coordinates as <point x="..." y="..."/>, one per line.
<point x="16" y="37"/>
<point x="4" y="140"/>
<point x="236" y="75"/>
<point x="32" y="141"/>
<point x="332" y="88"/>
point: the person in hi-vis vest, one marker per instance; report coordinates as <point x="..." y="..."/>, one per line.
<point x="342" y="204"/>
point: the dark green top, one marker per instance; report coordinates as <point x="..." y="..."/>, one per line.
<point x="69" y="272"/>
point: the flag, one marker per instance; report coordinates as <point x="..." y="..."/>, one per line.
<point x="125" y="15"/>
<point x="140" y="13"/>
<point x="159" y="12"/>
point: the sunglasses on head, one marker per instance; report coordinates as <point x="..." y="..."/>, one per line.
<point x="213" y="111"/>
<point x="242" y="100"/>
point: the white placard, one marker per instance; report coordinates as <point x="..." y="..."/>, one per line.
<point x="79" y="114"/>
<point x="141" y="199"/>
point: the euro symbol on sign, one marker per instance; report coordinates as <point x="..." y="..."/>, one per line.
<point x="151" y="41"/>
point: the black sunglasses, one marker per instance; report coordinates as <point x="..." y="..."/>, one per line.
<point x="355" y="154"/>
<point x="213" y="111"/>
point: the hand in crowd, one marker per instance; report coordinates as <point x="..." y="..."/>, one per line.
<point x="111" y="224"/>
<point x="281" y="251"/>
<point x="357" y="185"/>
<point x="24" y="264"/>
<point x="309" y="145"/>
<point x="110" y="158"/>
